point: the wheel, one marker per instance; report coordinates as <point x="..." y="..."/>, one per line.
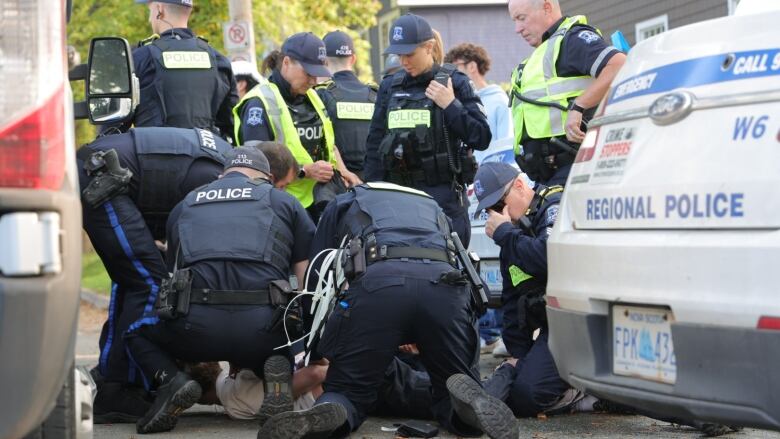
<point x="71" y="417"/>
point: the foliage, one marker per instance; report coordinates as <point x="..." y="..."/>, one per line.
<point x="274" y="20"/>
<point x="93" y="274"/>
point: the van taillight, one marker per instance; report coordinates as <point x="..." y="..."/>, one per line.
<point x="32" y="148"/>
<point x="588" y="146"/>
<point x="769" y="322"/>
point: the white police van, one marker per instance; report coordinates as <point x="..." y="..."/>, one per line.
<point x="662" y="291"/>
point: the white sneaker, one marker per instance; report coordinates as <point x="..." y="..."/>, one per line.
<point x="485" y="348"/>
<point x="499" y="351"/>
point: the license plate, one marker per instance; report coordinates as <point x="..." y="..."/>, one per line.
<point x="642" y="343"/>
<point x="490" y="270"/>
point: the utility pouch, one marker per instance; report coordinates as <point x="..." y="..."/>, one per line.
<point x="469" y="170"/>
<point x="386" y="149"/>
<point x="421" y="135"/>
<point x="167" y="298"/>
<point x="109" y="178"/>
<point x="182" y="283"/>
<point x="442" y="167"/>
<point x="428" y="165"/>
<point x="280" y="292"/>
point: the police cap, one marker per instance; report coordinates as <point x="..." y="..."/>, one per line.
<point x="187" y="3"/>
<point x="490" y="183"/>
<point x="247" y="157"/>
<point x="407" y="33"/>
<point x="338" y="44"/>
<point x="309" y="50"/>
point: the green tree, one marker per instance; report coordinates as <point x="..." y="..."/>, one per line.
<point x="274" y="20"/>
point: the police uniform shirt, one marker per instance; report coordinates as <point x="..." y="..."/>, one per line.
<point x="145" y="70"/>
<point x="465" y="117"/>
<point x="255" y="124"/>
<point x="529" y="253"/>
<point x="583" y="51"/>
<point x="221" y="274"/>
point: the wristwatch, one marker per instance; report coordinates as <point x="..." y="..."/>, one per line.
<point x="301" y="173"/>
<point x="573" y="106"/>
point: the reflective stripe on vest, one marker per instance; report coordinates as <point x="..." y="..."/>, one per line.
<point x="284" y="131"/>
<point x="540" y="81"/>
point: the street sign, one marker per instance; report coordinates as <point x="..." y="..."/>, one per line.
<point x="236" y="35"/>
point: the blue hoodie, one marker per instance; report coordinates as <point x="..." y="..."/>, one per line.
<point x="499" y="116"/>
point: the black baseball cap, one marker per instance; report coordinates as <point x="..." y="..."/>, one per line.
<point x="338" y="44"/>
<point x="407" y="32"/>
<point x="490" y="183"/>
<point x="309" y="50"/>
<point x="247" y="157"/>
<point x="172" y="2"/>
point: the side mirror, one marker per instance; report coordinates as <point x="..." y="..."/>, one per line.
<point x="111" y="86"/>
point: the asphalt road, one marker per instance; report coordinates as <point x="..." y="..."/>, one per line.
<point x="206" y="422"/>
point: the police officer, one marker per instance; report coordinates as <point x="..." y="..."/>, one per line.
<point x="247" y="76"/>
<point x="427" y="117"/>
<point x="184" y="81"/>
<point x="285" y="108"/>
<point x="555" y="91"/>
<point x="350" y="103"/>
<point x="403" y="288"/>
<point x="230" y="276"/>
<point x="130" y="182"/>
<point x="520" y="221"/>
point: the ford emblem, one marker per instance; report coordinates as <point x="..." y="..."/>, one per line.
<point x="671" y="108"/>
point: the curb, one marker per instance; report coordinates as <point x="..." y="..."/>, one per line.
<point x="95" y="299"/>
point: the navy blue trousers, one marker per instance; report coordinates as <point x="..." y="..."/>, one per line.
<point x="395" y="303"/>
<point x="240" y="334"/>
<point x="533" y="385"/>
<point x="124" y="243"/>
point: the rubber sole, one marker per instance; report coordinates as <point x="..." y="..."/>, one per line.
<point x="480" y="410"/>
<point x="278" y="388"/>
<point x="115" y="418"/>
<point x="168" y="414"/>
<point x="318" y="421"/>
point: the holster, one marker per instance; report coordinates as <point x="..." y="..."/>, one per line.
<point x="173" y="299"/>
<point x="532" y="310"/>
<point x="354" y="261"/>
<point x="109" y="178"/>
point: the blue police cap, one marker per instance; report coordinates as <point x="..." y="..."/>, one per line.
<point x="309" y="50"/>
<point x="338" y="44"/>
<point x="490" y="183"/>
<point x="407" y="32"/>
<point x="172" y="2"/>
<point x="247" y="157"/>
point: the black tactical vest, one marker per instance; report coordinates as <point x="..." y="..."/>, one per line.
<point x="232" y="219"/>
<point x="309" y="127"/>
<point x="419" y="149"/>
<point x="164" y="157"/>
<point x="351" y="110"/>
<point x="396" y="218"/>
<point x="187" y="90"/>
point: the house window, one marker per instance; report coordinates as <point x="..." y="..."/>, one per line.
<point x="732" y="6"/>
<point x="652" y="27"/>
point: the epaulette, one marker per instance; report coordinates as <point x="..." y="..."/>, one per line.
<point x="149" y="40"/>
<point x="326" y="85"/>
<point x="201" y="38"/>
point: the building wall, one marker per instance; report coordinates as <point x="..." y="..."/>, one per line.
<point x="488" y="26"/>
<point x="612" y="15"/>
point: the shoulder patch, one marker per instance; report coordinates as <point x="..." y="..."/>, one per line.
<point x="552" y="214"/>
<point x="148" y="40"/>
<point x="255" y="116"/>
<point x="588" y="36"/>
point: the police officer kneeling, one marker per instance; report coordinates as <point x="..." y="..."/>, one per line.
<point x="403" y="288"/>
<point x="520" y="221"/>
<point x="230" y="276"/>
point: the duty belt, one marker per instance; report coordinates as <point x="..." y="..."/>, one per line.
<point x="207" y="296"/>
<point x="383" y="252"/>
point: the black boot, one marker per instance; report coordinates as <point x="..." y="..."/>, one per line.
<point x="179" y="394"/>
<point x="116" y="403"/>
<point x="277" y="386"/>
<point x="317" y="422"/>
<point x="478" y="409"/>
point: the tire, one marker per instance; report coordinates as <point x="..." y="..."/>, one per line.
<point x="61" y="422"/>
